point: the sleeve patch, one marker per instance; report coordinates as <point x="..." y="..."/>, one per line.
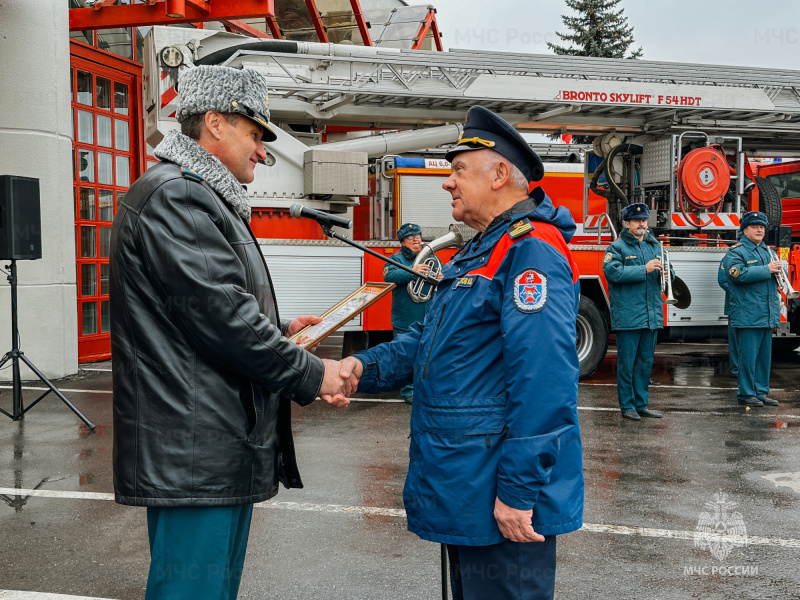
<point x="734" y="271"/>
<point x="608" y="257"/>
<point x="530" y="291"/>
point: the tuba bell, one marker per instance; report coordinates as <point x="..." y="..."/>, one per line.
<point x="418" y="289"/>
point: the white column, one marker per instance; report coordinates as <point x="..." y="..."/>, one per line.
<point x="36" y="141"/>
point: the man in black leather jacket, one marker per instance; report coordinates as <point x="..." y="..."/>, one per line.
<point x="203" y="371"/>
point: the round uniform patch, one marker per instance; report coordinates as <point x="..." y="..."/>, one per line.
<point x="734" y="272"/>
<point x="530" y="291"/>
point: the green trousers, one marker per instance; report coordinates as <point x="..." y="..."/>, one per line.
<point x="635" y="349"/>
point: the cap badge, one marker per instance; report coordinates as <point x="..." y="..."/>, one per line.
<point x="235" y="104"/>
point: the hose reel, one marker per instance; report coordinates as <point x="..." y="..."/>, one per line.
<point x="704" y="177"/>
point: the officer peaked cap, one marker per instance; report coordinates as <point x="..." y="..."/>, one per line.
<point x="635" y="211"/>
<point x="754" y="217"/>
<point x="225" y="90"/>
<point x="496" y="134"/>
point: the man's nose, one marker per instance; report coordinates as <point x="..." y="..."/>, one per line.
<point x="449" y="184"/>
<point x="261" y="152"/>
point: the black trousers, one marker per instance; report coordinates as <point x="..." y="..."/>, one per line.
<point x="506" y="571"/>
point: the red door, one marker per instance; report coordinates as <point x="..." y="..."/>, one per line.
<point x="103" y="114"/>
<point x="786" y="179"/>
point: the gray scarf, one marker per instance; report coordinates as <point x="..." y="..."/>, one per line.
<point x="184" y="151"/>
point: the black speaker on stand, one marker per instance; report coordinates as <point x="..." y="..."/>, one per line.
<point x="21" y="239"/>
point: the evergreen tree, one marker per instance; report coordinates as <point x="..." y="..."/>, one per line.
<point x="597" y="30"/>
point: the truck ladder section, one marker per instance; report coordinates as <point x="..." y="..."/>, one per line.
<point x="362" y="86"/>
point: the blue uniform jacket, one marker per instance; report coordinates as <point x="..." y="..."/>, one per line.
<point x="636" y="300"/>
<point x="404" y="310"/>
<point x="753" y="290"/>
<point x="495" y="375"/>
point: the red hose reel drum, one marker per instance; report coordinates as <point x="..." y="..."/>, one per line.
<point x="704" y="177"/>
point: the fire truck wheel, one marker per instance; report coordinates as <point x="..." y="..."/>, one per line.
<point x="782" y="346"/>
<point x="592" y="337"/>
<point x="769" y="202"/>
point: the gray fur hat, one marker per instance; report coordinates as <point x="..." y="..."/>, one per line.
<point x="225" y="90"/>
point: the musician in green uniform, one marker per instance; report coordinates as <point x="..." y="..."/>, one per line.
<point x="404" y="310"/>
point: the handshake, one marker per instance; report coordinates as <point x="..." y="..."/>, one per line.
<point x="340" y="380"/>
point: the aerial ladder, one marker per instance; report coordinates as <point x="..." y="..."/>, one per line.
<point x="350" y="118"/>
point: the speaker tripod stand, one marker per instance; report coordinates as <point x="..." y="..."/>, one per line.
<point x="15" y="355"/>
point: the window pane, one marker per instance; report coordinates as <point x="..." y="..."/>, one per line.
<point x="104" y="131"/>
<point x="105" y="316"/>
<point x="103" y="93"/>
<point x="117" y="41"/>
<point x="120" y="198"/>
<point x="85" y="165"/>
<point x="121" y="98"/>
<point x="121" y="129"/>
<point x="140" y="33"/>
<point x="89" y="280"/>
<point x="105" y="272"/>
<point x="105" y="242"/>
<point x="85" y="88"/>
<point x="85" y="127"/>
<point x="104" y="169"/>
<point x="87" y="205"/>
<point x="123" y="171"/>
<point x="106" y="205"/>
<point x="82" y="36"/>
<point x="89" y="314"/>
<point x="88" y="242"/>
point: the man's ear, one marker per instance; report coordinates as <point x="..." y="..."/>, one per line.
<point x="500" y="175"/>
<point x="214" y="123"/>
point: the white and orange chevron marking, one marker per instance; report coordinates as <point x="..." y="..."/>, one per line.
<point x="721" y="221"/>
<point x="169" y="97"/>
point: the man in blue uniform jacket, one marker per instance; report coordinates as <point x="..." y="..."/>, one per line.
<point x="405" y="311"/>
<point x="754" y="308"/>
<point x="632" y="266"/>
<point x="495" y="467"/>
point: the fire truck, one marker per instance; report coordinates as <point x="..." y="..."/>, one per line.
<point x="360" y="131"/>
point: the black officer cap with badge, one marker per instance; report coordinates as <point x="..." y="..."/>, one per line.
<point x="754" y="217"/>
<point x="635" y="211"/>
<point x="225" y="90"/>
<point x="484" y="129"/>
<point x="408" y="229"/>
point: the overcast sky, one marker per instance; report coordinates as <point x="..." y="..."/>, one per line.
<point x="763" y="33"/>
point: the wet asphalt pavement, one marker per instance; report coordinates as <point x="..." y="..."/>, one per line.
<point x="344" y="535"/>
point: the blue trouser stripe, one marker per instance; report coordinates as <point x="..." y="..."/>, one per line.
<point x="197" y="552"/>
<point x="754" y="360"/>
<point x="635" y="349"/>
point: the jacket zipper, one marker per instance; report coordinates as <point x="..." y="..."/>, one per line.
<point x="433" y="341"/>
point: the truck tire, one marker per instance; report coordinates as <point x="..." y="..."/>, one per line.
<point x="769" y="202"/>
<point x="591" y="337"/>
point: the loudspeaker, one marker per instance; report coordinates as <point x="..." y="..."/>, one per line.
<point x="20" y="218"/>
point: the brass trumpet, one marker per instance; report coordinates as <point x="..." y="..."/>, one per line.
<point x="418" y="289"/>
<point x="666" y="280"/>
<point x="783" y="280"/>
